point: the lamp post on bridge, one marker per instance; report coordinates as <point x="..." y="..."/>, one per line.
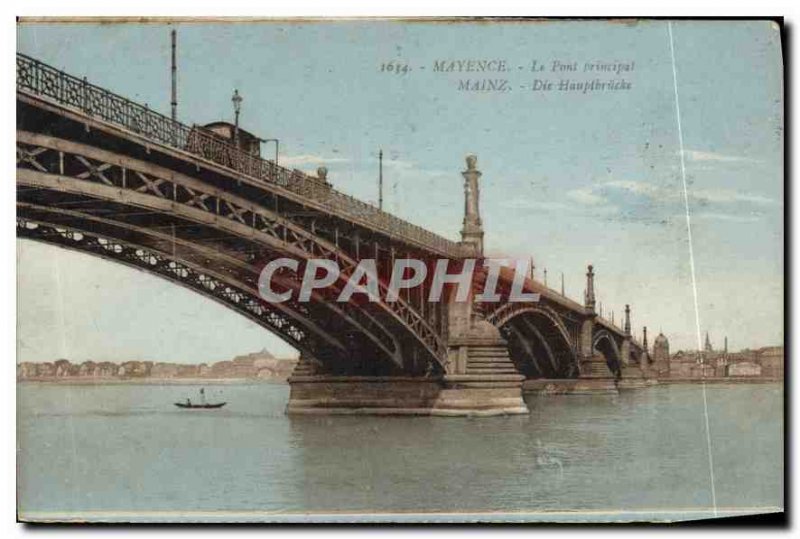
<point x="380" y="179"/>
<point x="174" y="78"/>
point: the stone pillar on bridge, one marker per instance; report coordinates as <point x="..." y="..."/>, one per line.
<point x="595" y="376"/>
<point x="646" y="354"/>
<point x="589" y="299"/>
<point x="625" y="350"/>
<point x="480" y="376"/>
<point x="585" y="338"/>
<point x="632" y="374"/>
<point x="472" y="229"/>
<point x="649" y="373"/>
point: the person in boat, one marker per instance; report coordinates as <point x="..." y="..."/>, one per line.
<point x="188" y="402"/>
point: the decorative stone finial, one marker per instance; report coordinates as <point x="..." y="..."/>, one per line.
<point x="589" y="300"/>
<point x="322" y="173"/>
<point x="627" y="327"/>
<point x="472" y="231"/>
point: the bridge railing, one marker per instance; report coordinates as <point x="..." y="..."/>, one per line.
<point x="48" y="82"/>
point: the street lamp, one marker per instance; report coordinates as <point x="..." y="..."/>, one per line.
<point x="237" y="107"/>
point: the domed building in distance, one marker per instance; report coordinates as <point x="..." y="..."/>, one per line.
<point x="660" y="355"/>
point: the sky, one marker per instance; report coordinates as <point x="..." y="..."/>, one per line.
<point x="569" y="178"/>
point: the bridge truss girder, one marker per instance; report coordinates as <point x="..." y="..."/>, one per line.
<point x="46" y="164"/>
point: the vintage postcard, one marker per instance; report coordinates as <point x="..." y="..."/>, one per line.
<point x="399" y="270"/>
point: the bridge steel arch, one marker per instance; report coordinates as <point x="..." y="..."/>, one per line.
<point x="49" y="164"/>
<point x="603" y="342"/>
<point x="211" y="284"/>
<point x="56" y="226"/>
<point x="540" y="342"/>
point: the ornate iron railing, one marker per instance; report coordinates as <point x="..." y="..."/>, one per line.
<point x="53" y="84"/>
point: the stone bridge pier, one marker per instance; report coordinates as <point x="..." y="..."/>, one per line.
<point x="597" y="375"/>
<point x="478" y="379"/>
<point x="606" y="363"/>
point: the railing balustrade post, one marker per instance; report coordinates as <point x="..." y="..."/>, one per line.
<point x="84" y="97"/>
<point x="61" y="86"/>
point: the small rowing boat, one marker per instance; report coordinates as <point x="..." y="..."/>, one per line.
<point x="203" y="405"/>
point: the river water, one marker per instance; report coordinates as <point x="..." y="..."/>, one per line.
<point x="124" y="452"/>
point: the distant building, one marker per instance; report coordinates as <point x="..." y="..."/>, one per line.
<point x="681" y="364"/>
<point x="660" y="358"/>
<point x="708" y="347"/>
<point x="164" y="370"/>
<point x="106" y="369"/>
<point x="62" y="367"/>
<point x="710" y="363"/>
<point x="27" y="370"/>
<point x="134" y="369"/>
<point x="47" y="370"/>
<point x="187" y="371"/>
<point x="771" y="359"/>
<point x="257" y="365"/>
<point x="702" y="370"/>
<point x="87" y="369"/>
<point x="220" y="368"/>
<point x="744" y="368"/>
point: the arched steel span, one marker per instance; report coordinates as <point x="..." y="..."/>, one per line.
<point x="219" y="287"/>
<point x="604" y="343"/>
<point x="213" y="261"/>
<point x="239" y="272"/>
<point x="47" y="165"/>
<point x="540" y="343"/>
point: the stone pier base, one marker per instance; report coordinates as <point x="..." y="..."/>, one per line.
<point x="451" y="395"/>
<point x="570" y="386"/>
<point x="632" y="383"/>
<point x="632" y="378"/>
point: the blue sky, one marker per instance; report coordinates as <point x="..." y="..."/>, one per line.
<point x="568" y="178"/>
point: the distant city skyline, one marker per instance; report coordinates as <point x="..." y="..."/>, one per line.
<point x="568" y="178"/>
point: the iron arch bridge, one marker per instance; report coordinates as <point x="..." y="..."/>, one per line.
<point x="102" y="175"/>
